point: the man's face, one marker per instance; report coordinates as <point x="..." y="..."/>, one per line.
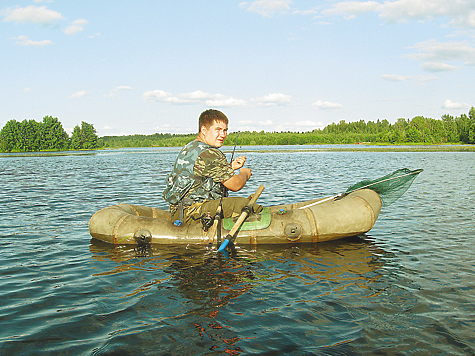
<point x="215" y="134"/>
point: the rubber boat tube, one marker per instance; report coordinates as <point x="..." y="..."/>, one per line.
<point x="304" y="222"/>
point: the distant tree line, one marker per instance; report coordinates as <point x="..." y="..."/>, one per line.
<point x="48" y="135"/>
<point x="423" y="130"/>
<point x="448" y="129"/>
<point x="29" y="135"/>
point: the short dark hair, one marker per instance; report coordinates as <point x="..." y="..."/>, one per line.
<point x="208" y="117"/>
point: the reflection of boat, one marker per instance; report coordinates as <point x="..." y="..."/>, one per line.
<point x="167" y="293"/>
<point x="352" y="258"/>
<point x="310" y="221"/>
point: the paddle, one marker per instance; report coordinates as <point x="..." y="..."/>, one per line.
<point x="216" y="228"/>
<point x="231" y="236"/>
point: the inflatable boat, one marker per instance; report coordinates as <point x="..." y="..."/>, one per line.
<point x="310" y="221"/>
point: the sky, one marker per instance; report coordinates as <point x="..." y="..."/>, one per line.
<point x="152" y="66"/>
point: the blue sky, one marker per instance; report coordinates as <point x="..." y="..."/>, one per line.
<point x="140" y="67"/>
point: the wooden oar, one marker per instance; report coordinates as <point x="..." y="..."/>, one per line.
<point x="215" y="226"/>
<point x="245" y="213"/>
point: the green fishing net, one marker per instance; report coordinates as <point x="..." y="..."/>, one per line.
<point x="390" y="187"/>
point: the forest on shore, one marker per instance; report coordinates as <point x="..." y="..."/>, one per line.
<point x="419" y="130"/>
<point x="49" y="135"/>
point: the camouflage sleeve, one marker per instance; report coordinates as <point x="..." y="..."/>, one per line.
<point x="212" y="163"/>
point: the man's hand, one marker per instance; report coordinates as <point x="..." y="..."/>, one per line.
<point x="246" y="172"/>
<point x="238" y="181"/>
<point x="238" y="162"/>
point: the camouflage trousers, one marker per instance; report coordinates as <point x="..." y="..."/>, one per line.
<point x="231" y="206"/>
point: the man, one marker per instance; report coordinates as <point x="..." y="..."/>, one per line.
<point x="202" y="174"/>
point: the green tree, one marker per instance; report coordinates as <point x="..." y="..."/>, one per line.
<point x="450" y="128"/>
<point x="30" y="135"/>
<point x="53" y="136"/>
<point x="463" y="127"/>
<point x="9" y="136"/>
<point x="413" y="134"/>
<point x="76" y="139"/>
<point x="84" y="137"/>
<point x="471" y="125"/>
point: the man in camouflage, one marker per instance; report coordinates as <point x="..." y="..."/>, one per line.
<point x="202" y="174"/>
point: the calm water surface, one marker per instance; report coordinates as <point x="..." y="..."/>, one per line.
<point x="406" y="288"/>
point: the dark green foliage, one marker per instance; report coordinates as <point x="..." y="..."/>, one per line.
<point x="9" y="136"/>
<point x="48" y="135"/>
<point x="53" y="136"/>
<point x="155" y="140"/>
<point x="84" y="137"/>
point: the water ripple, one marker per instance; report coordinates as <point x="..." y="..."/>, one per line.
<point x="405" y="288"/>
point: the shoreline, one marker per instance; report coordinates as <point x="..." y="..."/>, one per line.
<point x="269" y="148"/>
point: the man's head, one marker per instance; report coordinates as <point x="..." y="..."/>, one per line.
<point x="213" y="127"/>
<point x="208" y="118"/>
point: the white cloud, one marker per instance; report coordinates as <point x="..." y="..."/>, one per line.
<point x="306" y="125"/>
<point x="24" y="41"/>
<point x="196" y="96"/>
<point x="175" y="128"/>
<point x="31" y="14"/>
<point x="216" y="100"/>
<point x="319" y="104"/>
<point x="114" y="92"/>
<point x="26" y="89"/>
<point x="460" y="13"/>
<point x="123" y="87"/>
<point x="396" y="77"/>
<point x="449" y="104"/>
<point x="79" y="94"/>
<point x="157" y="95"/>
<point x="305" y="12"/>
<point x="435" y="54"/>
<point x="438" y="67"/>
<point x="273" y="99"/>
<point x="403" y="78"/>
<point x="266" y="123"/>
<point x="225" y="102"/>
<point x="75" y="27"/>
<point x="352" y="8"/>
<point x="267" y="8"/>
<point x="425" y="78"/>
<point x="185" y="98"/>
<point x="253" y="125"/>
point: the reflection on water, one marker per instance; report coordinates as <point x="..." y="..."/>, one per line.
<point x="407" y="288"/>
<point x="201" y="283"/>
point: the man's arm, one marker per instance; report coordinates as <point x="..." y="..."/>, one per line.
<point x="238" y="181"/>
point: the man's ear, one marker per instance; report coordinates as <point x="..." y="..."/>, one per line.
<point x="203" y="129"/>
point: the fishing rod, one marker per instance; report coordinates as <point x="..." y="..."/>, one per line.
<point x="216" y="227"/>
<point x="235" y="144"/>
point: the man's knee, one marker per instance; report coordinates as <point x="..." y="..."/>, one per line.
<point x="231" y="206"/>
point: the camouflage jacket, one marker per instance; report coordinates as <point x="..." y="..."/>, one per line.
<point x="197" y="175"/>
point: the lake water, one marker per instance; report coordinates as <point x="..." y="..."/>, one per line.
<point x="405" y="288"/>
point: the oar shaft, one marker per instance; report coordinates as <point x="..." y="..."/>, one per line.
<point x="214" y="227"/>
<point x="241" y="219"/>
